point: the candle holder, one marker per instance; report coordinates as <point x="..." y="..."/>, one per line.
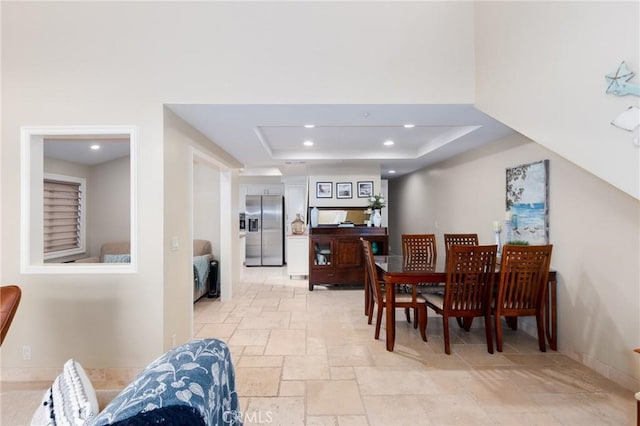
<point x="497" y="233"/>
<point x="507" y="227"/>
<point x="497" y="230"/>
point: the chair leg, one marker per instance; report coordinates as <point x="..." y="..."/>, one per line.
<point x="466" y="323"/>
<point x="498" y="333"/>
<point x="445" y="329"/>
<point x="370" y="311"/>
<point x="487" y="327"/>
<point x="415" y="318"/>
<point x="422" y="316"/>
<point x="407" y="314"/>
<point x="378" y="321"/>
<point x="512" y="322"/>
<point x="541" y="336"/>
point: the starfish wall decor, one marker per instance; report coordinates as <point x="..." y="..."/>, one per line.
<point x="619" y="85"/>
<point x="619" y="82"/>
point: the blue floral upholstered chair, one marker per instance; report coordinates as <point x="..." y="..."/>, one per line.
<point x="192" y="384"/>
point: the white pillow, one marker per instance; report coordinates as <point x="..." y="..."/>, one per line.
<point x="71" y="400"/>
<point x="43" y="416"/>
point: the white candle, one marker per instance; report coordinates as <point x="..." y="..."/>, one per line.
<point x="497" y="227"/>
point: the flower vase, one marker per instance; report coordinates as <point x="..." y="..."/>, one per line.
<point x="377" y="218"/>
<point x="314" y="217"/>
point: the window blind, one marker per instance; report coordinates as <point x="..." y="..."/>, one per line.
<point x="62" y="215"/>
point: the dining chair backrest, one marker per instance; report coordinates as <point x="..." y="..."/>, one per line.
<point x="470" y="274"/>
<point x="419" y="246"/>
<point x="413" y="301"/>
<point x="459" y="240"/>
<point x="524" y="273"/>
<point x="522" y="289"/>
<point x="371" y="273"/>
<point x="418" y="264"/>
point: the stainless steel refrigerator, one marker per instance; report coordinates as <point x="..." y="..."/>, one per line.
<point x="265" y="230"/>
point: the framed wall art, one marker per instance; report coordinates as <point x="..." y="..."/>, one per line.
<point x="344" y="190"/>
<point x="527" y="202"/>
<point x="324" y="190"/>
<point x="365" y="189"/>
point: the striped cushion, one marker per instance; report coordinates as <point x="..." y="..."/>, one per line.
<point x="71" y="400"/>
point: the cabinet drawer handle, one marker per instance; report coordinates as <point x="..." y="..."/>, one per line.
<point x="330" y="275"/>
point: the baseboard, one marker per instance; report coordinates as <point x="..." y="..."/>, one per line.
<point x="103" y="378"/>
<point x="619" y="377"/>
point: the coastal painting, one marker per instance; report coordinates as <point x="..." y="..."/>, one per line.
<point x="527" y="203"/>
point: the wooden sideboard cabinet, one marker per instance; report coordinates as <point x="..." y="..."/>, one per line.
<point x="335" y="254"/>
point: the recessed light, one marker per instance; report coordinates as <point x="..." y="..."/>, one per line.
<point x="95" y="147"/>
<point x="388" y="143"/>
<point x="409" y="126"/>
<point x="308" y="143"/>
<point x="309" y="126"/>
<point x="392" y="172"/>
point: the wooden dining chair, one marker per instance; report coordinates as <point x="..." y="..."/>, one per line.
<point x="470" y="274"/>
<point x="414" y="300"/>
<point x="459" y="240"/>
<point x="419" y="248"/>
<point x="522" y="289"/>
<point x="637" y="396"/>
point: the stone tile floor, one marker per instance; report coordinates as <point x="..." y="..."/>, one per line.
<point x="310" y="358"/>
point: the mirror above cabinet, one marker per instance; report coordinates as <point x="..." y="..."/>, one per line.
<point x="333" y="216"/>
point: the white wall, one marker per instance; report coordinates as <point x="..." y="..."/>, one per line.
<point x="593" y="226"/>
<point x="180" y="185"/>
<point x="540" y="69"/>
<point x="102" y="320"/>
<point x="335" y="174"/>
<point x="69" y="66"/>
<point x="109" y="202"/>
<point x="61" y="167"/>
<point x="206" y="204"/>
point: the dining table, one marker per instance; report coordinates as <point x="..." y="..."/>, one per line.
<point x="397" y="269"/>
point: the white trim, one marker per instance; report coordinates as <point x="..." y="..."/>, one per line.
<point x="81" y="268"/>
<point x="25" y="205"/>
<point x="226" y="223"/>
<point x="226" y="227"/>
<point x="31" y="253"/>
